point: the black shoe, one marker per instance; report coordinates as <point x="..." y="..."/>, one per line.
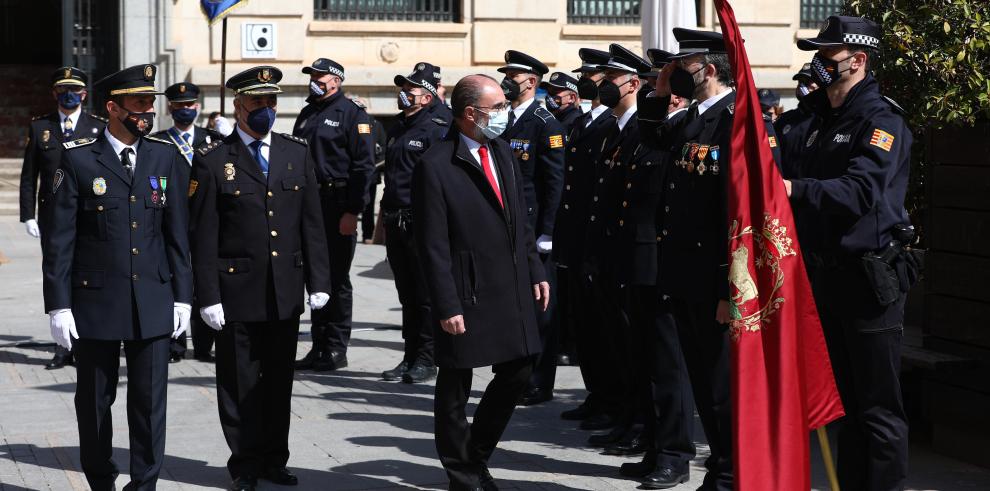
<point x="640" y="469"/>
<point x="665" y="478"/>
<point x="205" y="358"/>
<point x="244" y="483"/>
<point x="397" y="372"/>
<point x="175" y="357"/>
<point x="282" y="476"/>
<point x="579" y="413"/>
<point x="330" y="361"/>
<point x="307" y="362"/>
<point x="564" y="360"/>
<point x="419" y="373"/>
<point x="612" y="437"/>
<point x="534" y="396"/>
<point x="62" y="358"/>
<point x="598" y="422"/>
<point x="633" y="445"/>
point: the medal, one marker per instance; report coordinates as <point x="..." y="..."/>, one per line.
<point x="228" y="171"/>
<point x="164" y="181"/>
<point x="154" y="182"/>
<point x="154" y="196"/>
<point x="701" y="169"/>
<point x="702" y="152"/>
<point x="525" y="156"/>
<point x="45" y="136"/>
<point x="99" y="186"/>
<point x="694" y="151"/>
<point x="714" y="169"/>
<point x="690" y="167"/>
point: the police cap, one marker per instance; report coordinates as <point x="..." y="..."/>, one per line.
<point x="135" y="80"/>
<point x="259" y="80"/>
<point x="621" y="59"/>
<point x="423" y="75"/>
<point x="560" y="81"/>
<point x="693" y="42"/>
<point x="590" y="60"/>
<point x="325" y="65"/>
<point x="182" y="92"/>
<point x="517" y="60"/>
<point x="69" y="75"/>
<point x="841" y="30"/>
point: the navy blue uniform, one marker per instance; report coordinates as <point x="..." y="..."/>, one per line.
<point x="792" y="134"/>
<point x="848" y="190"/>
<point x="342" y="146"/>
<point x="569" y="117"/>
<point x="408" y="140"/>
<point x="537" y="141"/>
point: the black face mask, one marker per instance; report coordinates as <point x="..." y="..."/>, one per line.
<point x="609" y="93"/>
<point x="826" y="70"/>
<point x="138" y="124"/>
<point x="802" y="90"/>
<point x="510" y="88"/>
<point x="587" y="89"/>
<point x="682" y="82"/>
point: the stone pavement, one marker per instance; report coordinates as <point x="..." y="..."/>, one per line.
<point x="350" y="430"/>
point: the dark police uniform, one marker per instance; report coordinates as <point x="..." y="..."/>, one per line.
<point x="408" y="139"/>
<point x="202" y="335"/>
<point x="694" y="246"/>
<point x="342" y="146"/>
<point x="792" y="126"/>
<point x="567" y="116"/>
<point x="117" y="255"/>
<point x="256" y="242"/>
<point x="848" y="193"/>
<point x="42" y="156"/>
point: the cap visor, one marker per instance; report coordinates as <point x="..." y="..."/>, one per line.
<point x="813" y="44"/>
<point x="69" y="81"/>
<point x="401" y="80"/>
<point x="308" y="69"/>
<point x="602" y="68"/>
<point x="261" y="91"/>
<point x="183" y="99"/>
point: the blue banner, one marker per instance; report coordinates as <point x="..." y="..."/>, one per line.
<point x="215" y="10"/>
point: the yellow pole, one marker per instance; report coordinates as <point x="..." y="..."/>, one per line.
<point x="833" y="479"/>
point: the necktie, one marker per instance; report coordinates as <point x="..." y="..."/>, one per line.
<point x="186" y="136"/>
<point x="67" y="129"/>
<point x="125" y="160"/>
<point x="512" y="118"/>
<point x="483" y="154"/>
<point x="262" y="161"/>
<point x="692" y="112"/>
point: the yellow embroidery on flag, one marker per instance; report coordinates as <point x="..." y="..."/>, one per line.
<point x="556" y="141"/>
<point x="364" y="128"/>
<point x="882" y="139"/>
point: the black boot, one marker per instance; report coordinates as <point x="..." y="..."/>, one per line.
<point x="396" y="373"/>
<point x="62" y="358"/>
<point x="307" y="362"/>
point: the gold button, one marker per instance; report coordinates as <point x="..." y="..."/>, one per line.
<point x="271" y="213"/>
<point x="230" y="270"/>
<point x="85" y="283"/>
<point x="659" y="238"/>
<point x="133" y="199"/>
<point x="99" y="208"/>
<point x="134" y="277"/>
<point x="237" y="192"/>
<point x="622" y="222"/>
<point x="295" y="188"/>
<point x="274" y="233"/>
<point x="270" y="194"/>
<point x="134" y="251"/>
<point x="573" y="149"/>
<point x="625" y="204"/>
<point x="274" y="253"/>
<point x="134" y="225"/>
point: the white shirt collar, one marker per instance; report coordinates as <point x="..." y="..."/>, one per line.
<point x="192" y="133"/>
<point x="473" y="147"/>
<point x="626" y="116"/>
<point x="119" y="146"/>
<point x="595" y="112"/>
<point x="712" y="100"/>
<point x="248" y="139"/>
<point x="519" y="110"/>
<point x="675" y="112"/>
<point x="74" y="117"/>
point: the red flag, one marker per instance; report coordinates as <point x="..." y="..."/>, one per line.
<point x="782" y="382"/>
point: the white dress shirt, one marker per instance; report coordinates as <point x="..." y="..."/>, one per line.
<point x="712" y="100"/>
<point x="597" y="111"/>
<point x="74" y="117"/>
<point x="521" y="108"/>
<point x="473" y="147"/>
<point x="266" y="143"/>
<point x="626" y="116"/>
<point x="119" y="146"/>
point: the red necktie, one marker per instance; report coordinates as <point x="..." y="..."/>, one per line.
<point x="483" y="153"/>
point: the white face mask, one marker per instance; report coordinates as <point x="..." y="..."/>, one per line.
<point x="497" y="122"/>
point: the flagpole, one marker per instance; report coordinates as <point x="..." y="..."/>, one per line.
<point x="833" y="479"/>
<point x="223" y="64"/>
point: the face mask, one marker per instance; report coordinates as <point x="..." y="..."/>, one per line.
<point x="510" y="88"/>
<point x="551" y="103"/>
<point x="609" y="93"/>
<point x="682" y="83"/>
<point x="497" y="122"/>
<point x="587" y="89"/>
<point x="261" y="120"/>
<point x="827" y="71"/>
<point x="184" y="116"/>
<point x="801" y="91"/>
<point x="406" y="101"/>
<point x="69" y="99"/>
<point x="316" y="90"/>
<point x="138" y="124"/>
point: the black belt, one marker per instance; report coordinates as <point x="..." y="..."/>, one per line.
<point x="334" y="184"/>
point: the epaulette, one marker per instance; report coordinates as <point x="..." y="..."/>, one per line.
<point x="98" y="118"/>
<point x="440" y="121"/>
<point x="43" y="116"/>
<point x="897" y="107"/>
<point x="78" y="143"/>
<point x="205" y="149"/>
<point x="159" y="140"/>
<point x="301" y="141"/>
<point x="543" y="114"/>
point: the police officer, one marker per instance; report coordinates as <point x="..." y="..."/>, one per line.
<point x="792" y="126"/>
<point x="116" y="269"/>
<point x="848" y="191"/>
<point x="342" y="145"/>
<point x="184" y="107"/>
<point x="581" y="317"/>
<point x="692" y="240"/>
<point x="418" y="127"/>
<point x="257" y="239"/>
<point x="562" y="99"/>
<point x="769" y="102"/>
<point x="43" y="154"/>
<point x="537" y="142"/>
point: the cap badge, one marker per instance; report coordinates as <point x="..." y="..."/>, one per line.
<point x="265" y="75"/>
<point x="554" y="76"/>
<point x="825" y="25"/>
<point x="67" y="73"/>
<point x="149" y="72"/>
<point x="506" y="56"/>
<point x="182" y="88"/>
<point x="421" y="66"/>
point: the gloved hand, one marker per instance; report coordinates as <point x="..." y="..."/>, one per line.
<point x="63" y="327"/>
<point x="213" y="316"/>
<point x="32" y="228"/>
<point x="223" y="126"/>
<point x="544" y="244"/>
<point x="318" y="300"/>
<point x="180" y="319"/>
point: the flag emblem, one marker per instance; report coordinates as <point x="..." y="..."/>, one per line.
<point x="773" y="142"/>
<point x="882" y="139"/>
<point x="364" y="128"/>
<point x="556" y="141"/>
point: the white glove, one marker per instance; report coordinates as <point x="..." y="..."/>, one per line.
<point x="213" y="316"/>
<point x="32" y="228"/>
<point x="180" y="319"/>
<point x="63" y="327"/>
<point x="318" y="300"/>
<point x="544" y="244"/>
<point x="223" y="126"/>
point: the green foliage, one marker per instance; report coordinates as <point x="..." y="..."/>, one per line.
<point x="933" y="57"/>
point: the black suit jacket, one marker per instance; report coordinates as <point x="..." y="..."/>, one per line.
<point x="113" y="237"/>
<point x="540" y="155"/>
<point x="43" y="155"/>
<point x="257" y="242"/>
<point x="479" y="258"/>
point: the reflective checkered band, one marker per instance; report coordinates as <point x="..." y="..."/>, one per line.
<point x="335" y="71"/>
<point x="861" y="39"/>
<point x="426" y="85"/>
<point x="571" y="86"/>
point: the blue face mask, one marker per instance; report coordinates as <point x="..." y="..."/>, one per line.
<point x="261" y="120"/>
<point x="551" y="103"/>
<point x="69" y="99"/>
<point x="184" y="116"/>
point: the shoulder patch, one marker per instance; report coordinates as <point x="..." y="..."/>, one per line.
<point x="882" y="140"/>
<point x="159" y="140"/>
<point x="440" y="121"/>
<point x="364" y="128"/>
<point x="301" y="141"/>
<point x="556" y="141"/>
<point x="98" y="118"/>
<point x="897" y="107"/>
<point x="205" y="149"/>
<point x="731" y="108"/>
<point x="78" y="143"/>
<point x="543" y="114"/>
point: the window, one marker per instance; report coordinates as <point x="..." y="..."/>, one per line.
<point x="814" y="12"/>
<point x="603" y="11"/>
<point x="388" y="10"/>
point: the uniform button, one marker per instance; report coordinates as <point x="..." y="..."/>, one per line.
<point x="274" y="253"/>
<point x="671" y="185"/>
<point x="664" y="232"/>
<point x="628" y="185"/>
<point x="230" y="270"/>
<point x="622" y="222"/>
<point x="648" y="162"/>
<point x="85" y="283"/>
<point x="237" y="192"/>
<point x="99" y="208"/>
<point x="134" y="251"/>
<point x="625" y="204"/>
<point x="271" y="213"/>
<point x="601" y="180"/>
<point x="134" y="277"/>
<point x="133" y="199"/>
<point x="270" y="194"/>
<point x="567" y="187"/>
<point x="666" y="208"/>
<point x="134" y="225"/>
<point x="595" y="199"/>
<point x="570" y="167"/>
<point x="566" y="206"/>
<point x="699" y="244"/>
<point x="633" y="167"/>
<point x="608" y="161"/>
<point x="592" y="217"/>
<point x="573" y="149"/>
<point x="659" y="238"/>
<point x="274" y="233"/>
